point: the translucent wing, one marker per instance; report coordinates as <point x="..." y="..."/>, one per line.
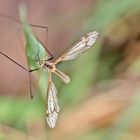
<point x="63" y="76"/>
<point x="83" y="44"/>
<point x="53" y="107"/>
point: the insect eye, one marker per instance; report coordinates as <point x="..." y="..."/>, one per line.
<point x="48" y="65"/>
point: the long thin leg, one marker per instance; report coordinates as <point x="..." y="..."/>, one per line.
<point x="30" y="85"/>
<point x="33" y="25"/>
<point x="30" y="81"/>
<point x="18" y="21"/>
<point x="13" y="61"/>
<point x="29" y="71"/>
<point x="47" y="49"/>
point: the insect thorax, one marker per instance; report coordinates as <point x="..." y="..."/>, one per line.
<point x="47" y="65"/>
<point x="50" y="66"/>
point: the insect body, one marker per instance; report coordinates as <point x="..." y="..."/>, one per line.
<point x="52" y="101"/>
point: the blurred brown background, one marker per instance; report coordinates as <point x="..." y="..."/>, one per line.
<point x="102" y="101"/>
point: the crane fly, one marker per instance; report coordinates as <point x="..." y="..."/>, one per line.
<point x="81" y="46"/>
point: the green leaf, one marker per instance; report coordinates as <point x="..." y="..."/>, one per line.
<point x="34" y="48"/>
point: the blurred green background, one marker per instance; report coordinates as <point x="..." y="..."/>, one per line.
<point x="102" y="101"/>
